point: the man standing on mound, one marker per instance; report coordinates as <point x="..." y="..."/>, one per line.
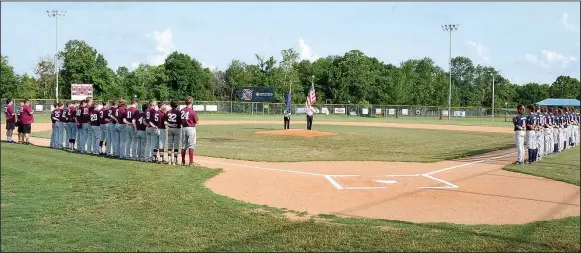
<point x="189" y="120"/>
<point x="287" y="115"/>
<point x="310" y="111"/>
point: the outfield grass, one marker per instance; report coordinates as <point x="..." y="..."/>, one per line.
<point x="563" y="166"/>
<point x="349" y="144"/>
<point x="498" y="122"/>
<point x="50" y="202"/>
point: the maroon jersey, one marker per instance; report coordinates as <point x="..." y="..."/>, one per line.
<point x="9" y="114"/>
<point x="141" y="122"/>
<point x="78" y="114"/>
<point x="63" y="117"/>
<point x="26" y="117"/>
<point x="94" y="117"/>
<point x="151" y="116"/>
<point x="161" y="117"/>
<point x="103" y="113"/>
<point x="52" y="113"/>
<point x="189" y="117"/>
<point x="112" y="113"/>
<point x="86" y="114"/>
<point x="136" y="116"/>
<point x="56" y="113"/>
<point x="71" y="113"/>
<point x="120" y="114"/>
<point x="172" y="117"/>
<point x="130" y="114"/>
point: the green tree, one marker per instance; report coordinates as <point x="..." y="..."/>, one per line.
<point x="565" y="87"/>
<point x="8" y="80"/>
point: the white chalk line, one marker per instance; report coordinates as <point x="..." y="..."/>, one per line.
<point x="337" y="185"/>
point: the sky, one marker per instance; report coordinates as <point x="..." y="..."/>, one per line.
<point x="527" y="42"/>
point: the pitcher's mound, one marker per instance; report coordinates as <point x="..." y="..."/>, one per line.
<point x="296" y="132"/>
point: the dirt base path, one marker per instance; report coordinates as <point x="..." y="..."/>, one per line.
<point x="473" y="190"/>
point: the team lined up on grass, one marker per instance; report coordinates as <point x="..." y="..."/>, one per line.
<point x="547" y="131"/>
<point x="117" y="131"/>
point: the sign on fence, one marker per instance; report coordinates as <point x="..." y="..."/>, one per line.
<point x="364" y="111"/>
<point x="460" y="114"/>
<point x="391" y="111"/>
<point x="339" y="110"/>
<point x="325" y="110"/>
<point x="256" y="94"/>
<point x="300" y="110"/>
<point x="198" y="108"/>
<point x="445" y="113"/>
<point x="404" y="112"/>
<point x="38" y="108"/>
<point x="378" y="111"/>
<point x="211" y="108"/>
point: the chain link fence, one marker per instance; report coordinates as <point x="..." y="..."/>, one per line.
<point x="376" y="111"/>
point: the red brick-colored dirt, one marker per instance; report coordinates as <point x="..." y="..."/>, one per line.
<point x="468" y="191"/>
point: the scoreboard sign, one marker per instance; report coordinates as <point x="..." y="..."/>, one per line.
<point x="81" y="91"/>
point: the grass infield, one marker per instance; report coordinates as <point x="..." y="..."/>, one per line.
<point x="58" y="201"/>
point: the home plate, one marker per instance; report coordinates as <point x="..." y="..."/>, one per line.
<point x="386" y="181"/>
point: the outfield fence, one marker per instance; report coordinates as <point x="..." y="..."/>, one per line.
<point x="351" y="110"/>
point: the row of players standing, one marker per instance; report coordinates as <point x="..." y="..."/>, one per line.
<point x="122" y="131"/>
<point x="548" y="131"/>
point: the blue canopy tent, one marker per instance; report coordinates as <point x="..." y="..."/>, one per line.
<point x="559" y="102"/>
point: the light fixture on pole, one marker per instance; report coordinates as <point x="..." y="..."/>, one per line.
<point x="450" y="29"/>
<point x="56" y="14"/>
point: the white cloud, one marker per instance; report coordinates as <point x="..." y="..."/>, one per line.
<point x="532" y="59"/>
<point x="305" y="51"/>
<point x="163" y="45"/>
<point x="554" y="57"/>
<point x="210" y="66"/>
<point x="481" y="51"/>
<point x="565" y="22"/>
<point x="134" y="65"/>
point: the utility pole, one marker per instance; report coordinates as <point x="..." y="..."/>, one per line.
<point x="56" y="14"/>
<point x="450" y="29"/>
<point x="492" y="96"/>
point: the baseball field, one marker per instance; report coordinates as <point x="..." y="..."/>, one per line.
<point x="351" y="184"/>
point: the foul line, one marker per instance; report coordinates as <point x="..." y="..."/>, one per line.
<point x="263" y="168"/>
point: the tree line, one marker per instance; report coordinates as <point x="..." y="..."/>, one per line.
<point x="353" y="78"/>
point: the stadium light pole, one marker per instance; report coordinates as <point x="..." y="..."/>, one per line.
<point x="450" y="29"/>
<point x="56" y="14"/>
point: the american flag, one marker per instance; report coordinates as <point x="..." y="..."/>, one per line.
<point x="312" y="97"/>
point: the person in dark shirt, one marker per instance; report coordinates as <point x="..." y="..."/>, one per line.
<point x="531" y="124"/>
<point x="10" y="117"/>
<point x="519" y="122"/>
<point x="95" y="129"/>
<point x="141" y="138"/>
<point x="189" y="122"/>
<point x="174" y="125"/>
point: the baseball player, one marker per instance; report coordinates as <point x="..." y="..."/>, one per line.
<point x="549" y="132"/>
<point x="65" y="121"/>
<point x="152" y="131"/>
<point x="72" y="122"/>
<point x="141" y="138"/>
<point x="95" y="129"/>
<point x="111" y="133"/>
<point x="26" y="120"/>
<point x="539" y="133"/>
<point x="131" y="128"/>
<point x="90" y="134"/>
<point x="58" y="126"/>
<point x="53" y="125"/>
<point x="174" y="124"/>
<point x="83" y="126"/>
<point x="19" y="123"/>
<point x="561" y="129"/>
<point x="531" y="123"/>
<point x="519" y="122"/>
<point x="10" y="117"/>
<point x="189" y="119"/>
<point x="287" y="116"/>
<point x="161" y="143"/>
<point x="571" y="126"/>
<point x="120" y="142"/>
<point x="103" y="126"/>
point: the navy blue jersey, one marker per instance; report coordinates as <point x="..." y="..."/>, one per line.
<point x="531" y="122"/>
<point x="519" y="122"/>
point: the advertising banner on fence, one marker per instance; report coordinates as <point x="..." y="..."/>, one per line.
<point x="211" y="108"/>
<point x="404" y="112"/>
<point x="300" y="110"/>
<point x="325" y="110"/>
<point x="198" y="108"/>
<point x="256" y="94"/>
<point x="39" y="108"/>
<point x="445" y="113"/>
<point x="391" y="111"/>
<point x="460" y="114"/>
<point x="378" y="111"/>
<point x="364" y="111"/>
<point x="339" y="110"/>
